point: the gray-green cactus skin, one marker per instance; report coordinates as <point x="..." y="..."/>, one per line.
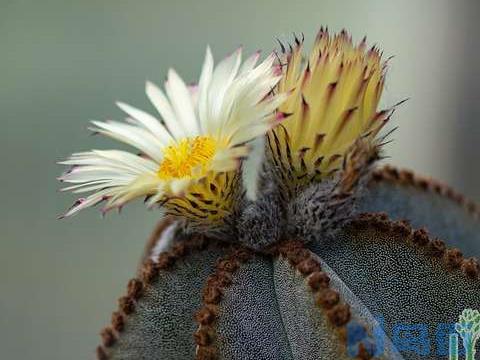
<point x="398" y="264"/>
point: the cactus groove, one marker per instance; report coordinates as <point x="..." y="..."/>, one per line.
<point x="208" y="299"/>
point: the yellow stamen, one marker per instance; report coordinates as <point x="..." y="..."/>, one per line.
<point x="189" y="158"/>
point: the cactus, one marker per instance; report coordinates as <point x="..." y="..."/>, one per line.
<point x="208" y="299"/>
<point x="334" y="258"/>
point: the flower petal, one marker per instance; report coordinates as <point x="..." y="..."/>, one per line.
<point x="181" y="101"/>
<point x="148" y="121"/>
<point x="160" y="102"/>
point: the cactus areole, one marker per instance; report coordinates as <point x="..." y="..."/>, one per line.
<point x="326" y="256"/>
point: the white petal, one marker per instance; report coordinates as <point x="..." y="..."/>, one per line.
<point x="164" y="241"/>
<point x="222" y="78"/>
<point x="229" y="159"/>
<point x="203" y="85"/>
<point x="248" y="117"/>
<point x="148" y="121"/>
<point x="121" y="160"/>
<point x="93" y="173"/>
<point x="133" y="136"/>
<point x="86" y="185"/>
<point x="193" y="90"/>
<point x="181" y="102"/>
<point x="248" y="134"/>
<point x="177" y="186"/>
<point x="129" y="160"/>
<point x="141" y="186"/>
<point x="159" y="100"/>
<point x="249" y="64"/>
<point x="91" y="200"/>
<point x="158" y="196"/>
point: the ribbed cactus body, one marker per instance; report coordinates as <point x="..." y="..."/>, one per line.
<point x="342" y="298"/>
<point x="445" y="213"/>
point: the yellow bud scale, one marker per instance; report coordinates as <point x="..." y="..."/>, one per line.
<point x="334" y="95"/>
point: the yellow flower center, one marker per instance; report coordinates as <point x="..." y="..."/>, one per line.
<point x="190" y="157"/>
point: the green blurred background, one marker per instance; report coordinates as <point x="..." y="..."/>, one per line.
<point x="63" y="63"/>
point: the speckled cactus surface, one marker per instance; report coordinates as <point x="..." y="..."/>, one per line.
<point x="323" y="255"/>
<point x="196" y="297"/>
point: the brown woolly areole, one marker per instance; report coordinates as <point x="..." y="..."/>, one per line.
<point x="211" y="298"/>
<point x="301" y="259"/>
<point x="407" y="177"/>
<point x="326" y="298"/>
<point x="148" y="273"/>
<point x="452" y="258"/>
